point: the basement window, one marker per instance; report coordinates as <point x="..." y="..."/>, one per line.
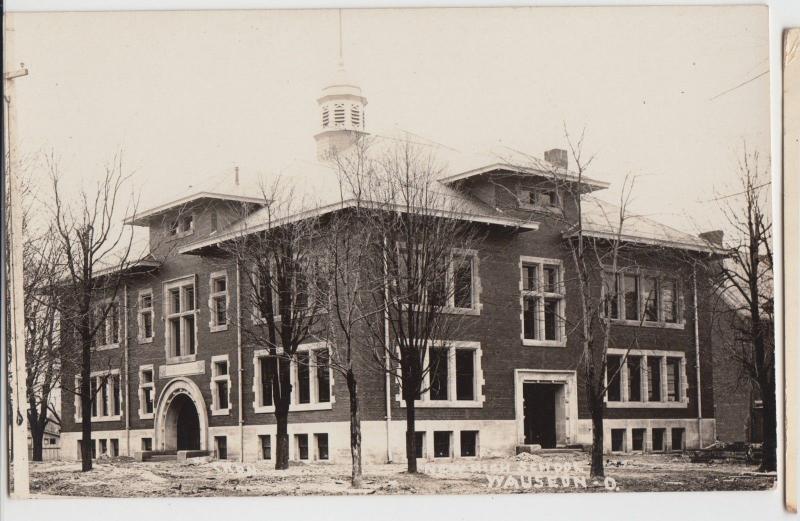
<point x="265" y="442"/>
<point x="678" y="438"/>
<point x="617" y="440"/>
<point x="301" y="443"/>
<point x="114" y="449"/>
<point x="419" y="442"/>
<point x="658" y="439"/>
<point x="637" y="439"/>
<point x="147" y="444"/>
<point x="104" y="447"/>
<point x="322" y="446"/>
<point x="221" y="446"/>
<point x="469" y="444"/>
<point x="441" y="444"/>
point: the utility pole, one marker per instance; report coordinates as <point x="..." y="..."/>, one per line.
<point x="18" y="414"/>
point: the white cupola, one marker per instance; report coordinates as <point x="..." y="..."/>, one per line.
<point x="341" y="111"/>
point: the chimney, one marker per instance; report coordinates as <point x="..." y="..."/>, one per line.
<point x="556" y="156"/>
<point x="713" y="237"/>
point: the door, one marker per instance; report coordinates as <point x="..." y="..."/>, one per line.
<point x="539" y="409"/>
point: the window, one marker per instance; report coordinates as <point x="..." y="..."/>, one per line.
<point x="145" y="316"/>
<point x="617" y="440"/>
<point x="438" y="373"/>
<point x="183" y="225"/>
<point x="221" y="446"/>
<point x="106" y="404"/>
<point x="543" y="301"/>
<point x="453" y="378"/>
<point x="441" y="444"/>
<point x="673" y="379"/>
<point x="643" y="298"/>
<point x="220" y="385"/>
<point x="146" y="391"/>
<point x="114" y="447"/>
<point x="181" y="329"/>
<point x="264" y="293"/>
<point x="301" y="442"/>
<point x="419" y="442"/>
<point x="147" y="444"/>
<point x="646" y="378"/>
<point x="310" y="376"/>
<point x="658" y="439"/>
<point x="450" y="283"/>
<point x="107" y="334"/>
<point x="537" y="198"/>
<point x="469" y="444"/>
<point x="322" y="446"/>
<point x="104" y="447"/>
<point x="265" y="442"/>
<point x="677" y="438"/>
<point x="218" y="301"/>
<point x="613" y="370"/>
<point x="637" y="439"/>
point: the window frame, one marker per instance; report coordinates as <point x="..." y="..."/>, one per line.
<point x="679" y="321"/>
<point x="143" y="414"/>
<point x="645" y="403"/>
<point x="140" y="312"/>
<point x="452" y="402"/>
<point x="181" y="284"/>
<point x="314" y="404"/>
<point x="213" y="325"/>
<point x="106" y="394"/>
<point x="214" y="380"/>
<point x="542" y="296"/>
<point x="108" y="324"/>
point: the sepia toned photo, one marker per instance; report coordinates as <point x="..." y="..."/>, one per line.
<point x="390" y="252"/>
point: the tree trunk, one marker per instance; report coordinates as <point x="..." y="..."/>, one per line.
<point x="769" y="460"/>
<point x="596" y="469"/>
<point x="36" y="427"/>
<point x="411" y="439"/>
<point x="86" y="408"/>
<point x="282" y="436"/>
<point x="355" y="430"/>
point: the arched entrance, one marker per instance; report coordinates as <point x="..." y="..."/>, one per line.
<point x="181" y="422"/>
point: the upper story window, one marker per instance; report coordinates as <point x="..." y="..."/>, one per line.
<point x="453" y="284"/>
<point x="646" y="378"/>
<point x="218" y="301"/>
<point x="145" y="316"/>
<point x="543" y="301"/>
<point x="454" y="377"/>
<point x="108" y="332"/>
<point x="220" y="385"/>
<point x="534" y="198"/>
<point x="641" y="298"/>
<point x="180" y="310"/>
<point x="183" y="225"/>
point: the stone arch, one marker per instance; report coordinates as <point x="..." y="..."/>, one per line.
<point x="178" y="393"/>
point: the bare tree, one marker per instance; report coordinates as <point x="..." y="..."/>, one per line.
<point x="598" y="262"/>
<point x="416" y="228"/>
<point x="275" y="252"/>
<point x="96" y="254"/>
<point x="42" y="258"/>
<point x="744" y="278"/>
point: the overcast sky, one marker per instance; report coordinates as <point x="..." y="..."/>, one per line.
<point x="667" y="93"/>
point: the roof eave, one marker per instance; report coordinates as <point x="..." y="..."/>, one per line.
<point x="650" y="241"/>
<point x="142" y="219"/>
<point x="594" y="183"/>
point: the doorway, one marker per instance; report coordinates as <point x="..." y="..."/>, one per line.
<point x="186" y="423"/>
<point x="539" y="413"/>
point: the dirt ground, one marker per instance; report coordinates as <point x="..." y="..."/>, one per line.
<point x="525" y="473"/>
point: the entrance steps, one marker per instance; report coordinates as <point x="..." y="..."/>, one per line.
<point x="169" y="455"/>
<point x="537" y="449"/>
